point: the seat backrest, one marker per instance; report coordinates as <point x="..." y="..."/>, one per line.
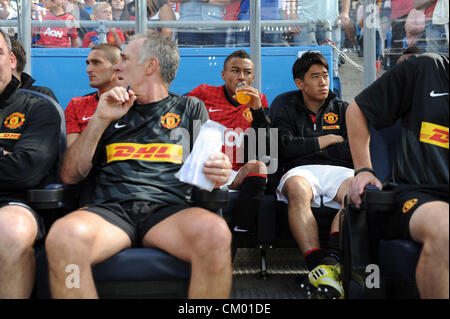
<point x="277" y="103"/>
<point x="382" y="149"/>
<point x="396" y="258"/>
<point x="337" y="87"/>
<point x="282" y="99"/>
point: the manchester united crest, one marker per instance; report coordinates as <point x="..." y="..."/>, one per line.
<point x="247" y="114"/>
<point x="170" y="120"/>
<point x="330" y="118"/>
<point x="409" y="204"/>
<point x="14" y="120"/>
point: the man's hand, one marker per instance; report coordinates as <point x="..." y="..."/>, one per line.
<point x="358" y="183"/>
<point x="218" y="169"/>
<point x="255" y="102"/>
<point x="114" y="104"/>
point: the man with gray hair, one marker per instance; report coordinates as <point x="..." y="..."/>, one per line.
<point x="29" y="131"/>
<point x="137" y="199"/>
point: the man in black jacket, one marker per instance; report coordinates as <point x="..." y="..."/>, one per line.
<point x="29" y="131"/>
<point x="315" y="154"/>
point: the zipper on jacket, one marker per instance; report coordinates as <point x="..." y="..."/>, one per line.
<point x="313" y="118"/>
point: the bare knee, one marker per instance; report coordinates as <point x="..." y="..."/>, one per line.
<point x="210" y="233"/>
<point x="68" y="235"/>
<point x="250" y="168"/>
<point x="17" y="233"/>
<point x="436" y="241"/>
<point x="342" y="191"/>
<point x="430" y="226"/>
<point x="298" y="189"/>
<point x="256" y="167"/>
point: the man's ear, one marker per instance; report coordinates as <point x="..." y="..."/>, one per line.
<point x="298" y="83"/>
<point x="13" y="60"/>
<point x="223" y="75"/>
<point x="152" y="65"/>
<point x="252" y="79"/>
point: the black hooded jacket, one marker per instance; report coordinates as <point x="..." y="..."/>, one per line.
<point x="29" y="135"/>
<point x="299" y="135"/>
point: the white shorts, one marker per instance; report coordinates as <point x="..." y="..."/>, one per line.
<point x="325" y="181"/>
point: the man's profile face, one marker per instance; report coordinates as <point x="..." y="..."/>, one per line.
<point x="315" y="84"/>
<point x="129" y="70"/>
<point x="238" y="70"/>
<point x="99" y="69"/>
<point x="7" y="64"/>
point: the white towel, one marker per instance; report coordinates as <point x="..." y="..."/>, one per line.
<point x="209" y="141"/>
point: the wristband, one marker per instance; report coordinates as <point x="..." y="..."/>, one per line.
<point x="364" y="169"/>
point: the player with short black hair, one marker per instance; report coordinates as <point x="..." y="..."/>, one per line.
<point x="315" y="155"/>
<point x="224" y="107"/>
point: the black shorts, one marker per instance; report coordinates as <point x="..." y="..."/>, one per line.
<point x="39" y="221"/>
<point x="395" y="225"/>
<point x="135" y="218"/>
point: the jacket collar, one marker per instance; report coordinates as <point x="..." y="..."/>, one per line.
<point x="26" y="80"/>
<point x="9" y="89"/>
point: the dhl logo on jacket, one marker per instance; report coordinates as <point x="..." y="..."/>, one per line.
<point x="155" y="152"/>
<point x="10" y="136"/>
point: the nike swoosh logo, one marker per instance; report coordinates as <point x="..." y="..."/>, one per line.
<point x="119" y="125"/>
<point x="239" y="230"/>
<point x="215" y="110"/>
<point x="86" y="118"/>
<point x="432" y="94"/>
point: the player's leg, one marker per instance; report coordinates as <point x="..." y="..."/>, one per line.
<point x="203" y="239"/>
<point x="325" y="276"/>
<point x="429" y="226"/>
<point x="252" y="168"/>
<point x="339" y="198"/>
<point x="18" y="231"/>
<point x="250" y="181"/>
<point x="80" y="240"/>
<point x="298" y="191"/>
